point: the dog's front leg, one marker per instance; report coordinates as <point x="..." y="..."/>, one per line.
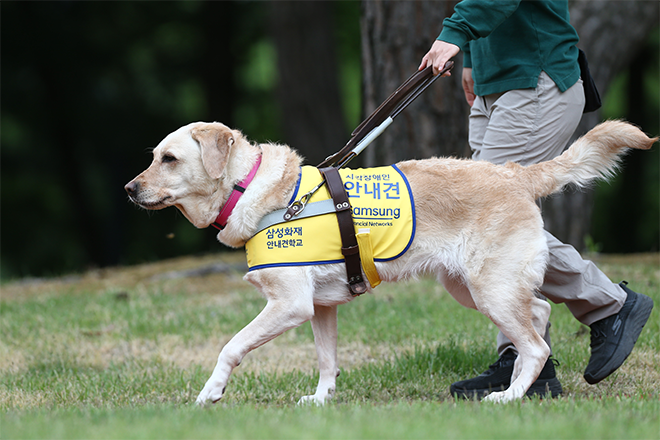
<point x="277" y="317"/>
<point x="324" y="325"/>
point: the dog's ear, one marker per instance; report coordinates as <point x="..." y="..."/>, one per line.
<point x="216" y="143"/>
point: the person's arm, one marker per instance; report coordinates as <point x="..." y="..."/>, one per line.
<point x="438" y="55"/>
<point x="472" y="19"/>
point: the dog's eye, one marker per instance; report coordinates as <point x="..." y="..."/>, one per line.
<point x="168" y="158"/>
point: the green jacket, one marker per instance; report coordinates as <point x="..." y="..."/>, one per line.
<point x="508" y="43"/>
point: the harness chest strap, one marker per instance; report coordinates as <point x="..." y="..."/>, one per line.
<point x="349" y="249"/>
<point x="312" y="209"/>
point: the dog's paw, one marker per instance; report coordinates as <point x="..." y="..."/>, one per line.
<point x="498" y="397"/>
<point x="314" y="400"/>
<point x="210" y="394"/>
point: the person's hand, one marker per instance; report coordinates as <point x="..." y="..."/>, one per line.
<point x="438" y="55"/>
<point x="468" y="85"/>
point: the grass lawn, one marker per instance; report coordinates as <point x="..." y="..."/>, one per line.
<point x="122" y="353"/>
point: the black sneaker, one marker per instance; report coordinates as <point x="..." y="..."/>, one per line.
<point x="498" y="378"/>
<point x="613" y="338"/>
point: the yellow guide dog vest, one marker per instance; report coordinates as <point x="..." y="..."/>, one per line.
<point x="382" y="207"/>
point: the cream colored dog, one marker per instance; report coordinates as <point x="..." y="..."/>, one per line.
<point x="479" y="231"/>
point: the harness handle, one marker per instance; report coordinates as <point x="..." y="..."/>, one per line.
<point x="372" y="127"/>
<point x="390" y="108"/>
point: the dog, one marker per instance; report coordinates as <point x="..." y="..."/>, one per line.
<point x="478" y="230"/>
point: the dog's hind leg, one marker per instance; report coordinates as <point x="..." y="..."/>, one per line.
<point x="502" y="290"/>
<point x="324" y="325"/>
<point x="514" y="319"/>
<point x="540" y="316"/>
<point x="290" y="304"/>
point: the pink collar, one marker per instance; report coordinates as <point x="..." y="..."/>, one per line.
<point x="225" y="212"/>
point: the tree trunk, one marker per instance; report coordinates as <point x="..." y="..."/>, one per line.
<point x="308" y="89"/>
<point x="611" y="33"/>
<point x="395" y="36"/>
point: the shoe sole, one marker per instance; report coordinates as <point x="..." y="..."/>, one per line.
<point x="540" y="388"/>
<point x="638" y="317"/>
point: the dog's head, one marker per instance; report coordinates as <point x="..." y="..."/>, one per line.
<point x="187" y="169"/>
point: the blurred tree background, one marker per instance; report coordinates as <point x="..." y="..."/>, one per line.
<point x="89" y="87"/>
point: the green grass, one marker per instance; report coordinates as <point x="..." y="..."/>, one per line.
<point x="608" y="419"/>
<point x="122" y="354"/>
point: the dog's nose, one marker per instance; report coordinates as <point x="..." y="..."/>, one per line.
<point x="132" y="188"/>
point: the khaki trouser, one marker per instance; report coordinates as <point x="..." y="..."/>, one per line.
<point x="530" y="126"/>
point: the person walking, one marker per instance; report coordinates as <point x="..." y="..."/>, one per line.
<point x="522" y="80"/>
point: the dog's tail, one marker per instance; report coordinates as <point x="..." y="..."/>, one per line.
<point x="596" y="155"/>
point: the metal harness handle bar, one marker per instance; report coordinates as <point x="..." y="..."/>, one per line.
<point x="390" y="108"/>
<point x="372" y="127"/>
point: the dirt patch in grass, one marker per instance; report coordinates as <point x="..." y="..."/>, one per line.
<point x="277" y="356"/>
<point x="119" y="279"/>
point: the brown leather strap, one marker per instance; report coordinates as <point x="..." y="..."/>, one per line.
<point x="349" y="247"/>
